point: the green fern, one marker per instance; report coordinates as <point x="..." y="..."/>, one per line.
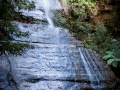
<point x="109" y="55"/>
<point x="111" y="59"/>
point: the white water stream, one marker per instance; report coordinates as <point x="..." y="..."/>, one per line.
<point x="88" y="63"/>
<point x="88" y="71"/>
<point x="47" y="8"/>
<point x="86" y="59"/>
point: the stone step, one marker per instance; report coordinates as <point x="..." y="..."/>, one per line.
<point x="45" y="34"/>
<point x="61" y="85"/>
<point x="59" y="75"/>
<point x="54" y="61"/>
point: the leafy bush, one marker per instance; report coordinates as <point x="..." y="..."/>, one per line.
<point x="101" y="37"/>
<point x="8" y="30"/>
<point x="111" y="59"/>
<point x="60" y="19"/>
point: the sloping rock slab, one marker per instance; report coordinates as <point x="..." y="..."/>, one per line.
<point x="57" y="67"/>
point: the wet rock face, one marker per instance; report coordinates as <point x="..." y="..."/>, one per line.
<point x="58" y="62"/>
<point x="38" y="12"/>
<point x="50" y="67"/>
<point x="46" y="34"/>
<point x="55" y="63"/>
<point x="5" y="74"/>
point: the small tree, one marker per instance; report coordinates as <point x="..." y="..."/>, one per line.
<point x="8" y="30"/>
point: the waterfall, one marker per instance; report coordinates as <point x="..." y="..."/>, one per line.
<point x="86" y="66"/>
<point x="86" y="59"/>
<point x="56" y="62"/>
<point x="88" y="63"/>
<point x="46" y="6"/>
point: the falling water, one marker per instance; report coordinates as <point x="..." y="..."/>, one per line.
<point x="46" y="6"/>
<point x="51" y="28"/>
<point x="86" y="66"/>
<point x="94" y="79"/>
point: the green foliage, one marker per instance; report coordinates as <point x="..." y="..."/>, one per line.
<point x="15" y="48"/>
<point x="109" y="55"/>
<point x="26" y="5"/>
<point x="115" y="47"/>
<point x="86" y="3"/>
<point x="104" y="37"/>
<point x="22" y="4"/>
<point x="60" y="19"/>
<point x="8" y="30"/>
<point x="99" y="37"/>
<point x="77" y="20"/>
<point x="111" y="59"/>
<point x="32" y="80"/>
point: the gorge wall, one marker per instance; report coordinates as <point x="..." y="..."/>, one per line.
<point x="57" y="62"/>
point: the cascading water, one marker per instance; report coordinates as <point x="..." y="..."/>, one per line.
<point x="46" y="5"/>
<point x="86" y="66"/>
<point x="48" y="14"/>
<point x="89" y="67"/>
<point x="86" y="59"/>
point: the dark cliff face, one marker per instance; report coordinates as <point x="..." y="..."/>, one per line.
<point x="103" y="14"/>
<point x="106" y="12"/>
<point x="109" y="14"/>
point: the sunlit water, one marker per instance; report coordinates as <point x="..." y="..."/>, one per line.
<point x="88" y="63"/>
<point x="46" y="5"/>
<point x="86" y="59"/>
